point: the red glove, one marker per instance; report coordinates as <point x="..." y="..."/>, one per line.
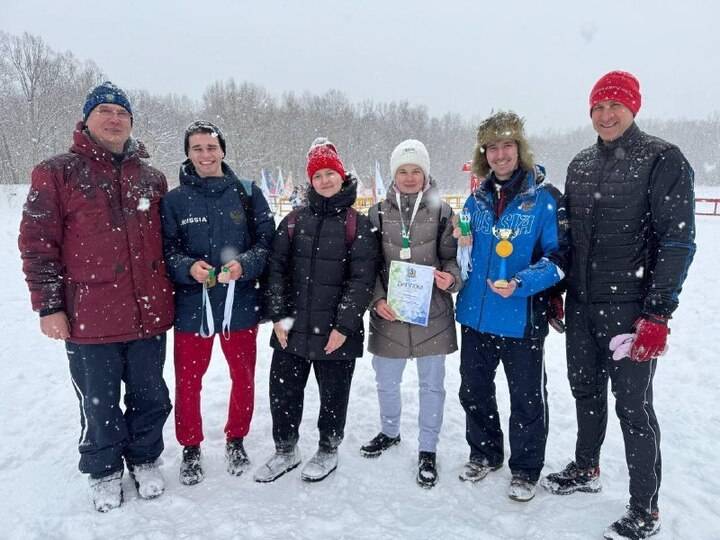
<point x="556" y="312"/>
<point x="650" y="338"/>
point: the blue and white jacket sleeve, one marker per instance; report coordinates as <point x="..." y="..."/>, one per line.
<point x="550" y="268"/>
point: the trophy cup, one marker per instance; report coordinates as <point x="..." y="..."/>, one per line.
<point x="503" y="249"/>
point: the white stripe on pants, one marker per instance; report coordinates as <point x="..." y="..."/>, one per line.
<point x="431" y="379"/>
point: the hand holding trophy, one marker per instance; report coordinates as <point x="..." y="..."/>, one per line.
<point x="503" y="249"/>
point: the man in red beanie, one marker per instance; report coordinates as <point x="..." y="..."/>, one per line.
<point x="630" y="204"/>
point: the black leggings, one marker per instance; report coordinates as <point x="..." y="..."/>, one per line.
<point x="288" y="376"/>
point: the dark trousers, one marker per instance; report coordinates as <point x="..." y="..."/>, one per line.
<point x="589" y="330"/>
<point x="109" y="435"/>
<point x="522" y="360"/>
<point x="288" y="377"/>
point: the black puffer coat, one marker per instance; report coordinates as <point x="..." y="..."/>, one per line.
<point x="631" y="209"/>
<point x="320" y="282"/>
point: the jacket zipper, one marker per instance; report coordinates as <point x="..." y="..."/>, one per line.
<point x="316" y="242"/>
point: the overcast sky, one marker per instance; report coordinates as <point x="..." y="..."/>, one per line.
<point x="469" y="57"/>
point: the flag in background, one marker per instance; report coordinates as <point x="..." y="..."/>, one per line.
<point x="280" y="184"/>
<point x="264" y="185"/>
<point x="380" y="191"/>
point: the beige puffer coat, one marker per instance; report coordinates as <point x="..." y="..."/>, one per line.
<point x="399" y="339"/>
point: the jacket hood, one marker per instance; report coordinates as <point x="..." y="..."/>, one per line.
<point x="344" y="198"/>
<point x="85" y="145"/>
<point x="529" y="183"/>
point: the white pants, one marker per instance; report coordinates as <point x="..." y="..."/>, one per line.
<point x="431" y="377"/>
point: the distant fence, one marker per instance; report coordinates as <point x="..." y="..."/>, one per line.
<point x="282" y="206"/>
<point x="707" y="207"/>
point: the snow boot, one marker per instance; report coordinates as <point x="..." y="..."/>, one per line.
<point x="378" y="445"/>
<point x="521" y="489"/>
<point x="106" y="491"/>
<point x="572" y="479"/>
<point x="191" y="472"/>
<point x="236" y="457"/>
<point x="277" y="465"/>
<point x="427" y="475"/>
<point x="320" y="466"/>
<point x="474" y="470"/>
<point x="636" y="524"/>
<point x="148" y="479"/>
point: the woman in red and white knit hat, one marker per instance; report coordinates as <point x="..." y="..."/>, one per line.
<point x="321" y="277"/>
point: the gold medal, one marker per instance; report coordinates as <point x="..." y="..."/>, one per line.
<point x="504" y="248"/>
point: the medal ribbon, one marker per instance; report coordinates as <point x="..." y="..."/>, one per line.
<point x="207" y="313"/>
<point x="405" y="233"/>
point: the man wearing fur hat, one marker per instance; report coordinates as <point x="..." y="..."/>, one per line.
<point x="90" y="240"/>
<point x="630" y="203"/>
<point x="518" y="242"/>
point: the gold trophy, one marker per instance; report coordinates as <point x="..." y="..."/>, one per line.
<point x="503" y="249"/>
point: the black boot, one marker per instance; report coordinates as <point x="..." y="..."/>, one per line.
<point x="236" y="457"/>
<point x="636" y="524"/>
<point x="191" y="472"/>
<point x="378" y="445"/>
<point x="427" y="475"/>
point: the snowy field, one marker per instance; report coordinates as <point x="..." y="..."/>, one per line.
<point x="45" y="497"/>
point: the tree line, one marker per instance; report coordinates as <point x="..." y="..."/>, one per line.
<point x="42" y="93"/>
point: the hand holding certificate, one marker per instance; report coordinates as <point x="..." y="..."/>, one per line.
<point x="410" y="288"/>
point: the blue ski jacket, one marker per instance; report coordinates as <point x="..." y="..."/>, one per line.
<point x="537" y="219"/>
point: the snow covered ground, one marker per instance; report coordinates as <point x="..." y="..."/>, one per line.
<point x="43" y="496"/>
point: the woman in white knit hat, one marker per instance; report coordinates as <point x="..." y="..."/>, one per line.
<point x="414" y="226"/>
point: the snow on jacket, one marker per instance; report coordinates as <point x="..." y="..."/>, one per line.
<point x="204" y="219"/>
<point x="90" y="240"/>
<point x="631" y="209"/>
<point x="429" y="246"/>
<point x="537" y="260"/>
<point x="320" y="282"/>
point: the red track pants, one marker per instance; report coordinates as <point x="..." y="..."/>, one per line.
<point x="192" y="358"/>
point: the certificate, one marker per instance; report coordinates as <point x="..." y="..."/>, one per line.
<point x="410" y="288"/>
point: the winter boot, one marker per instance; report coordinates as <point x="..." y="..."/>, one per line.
<point x="427" y="475"/>
<point x="521" y="489"/>
<point x="236" y="457"/>
<point x="320" y="466"/>
<point x="191" y="472"/>
<point x="277" y="465"/>
<point x="106" y="491"/>
<point x="148" y="479"/>
<point x="475" y="470"/>
<point x="378" y="445"/>
<point x="572" y="479"/>
<point x="634" y="525"/>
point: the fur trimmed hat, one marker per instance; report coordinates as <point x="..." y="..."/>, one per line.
<point x="323" y="155"/>
<point x="106" y="92"/>
<point x="203" y="126"/>
<point x="410" y="152"/>
<point x="619" y="86"/>
<point x="499" y="126"/>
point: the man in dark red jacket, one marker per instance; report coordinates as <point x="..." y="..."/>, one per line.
<point x="91" y="244"/>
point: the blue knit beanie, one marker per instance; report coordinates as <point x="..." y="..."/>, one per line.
<point x="107" y="92"/>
